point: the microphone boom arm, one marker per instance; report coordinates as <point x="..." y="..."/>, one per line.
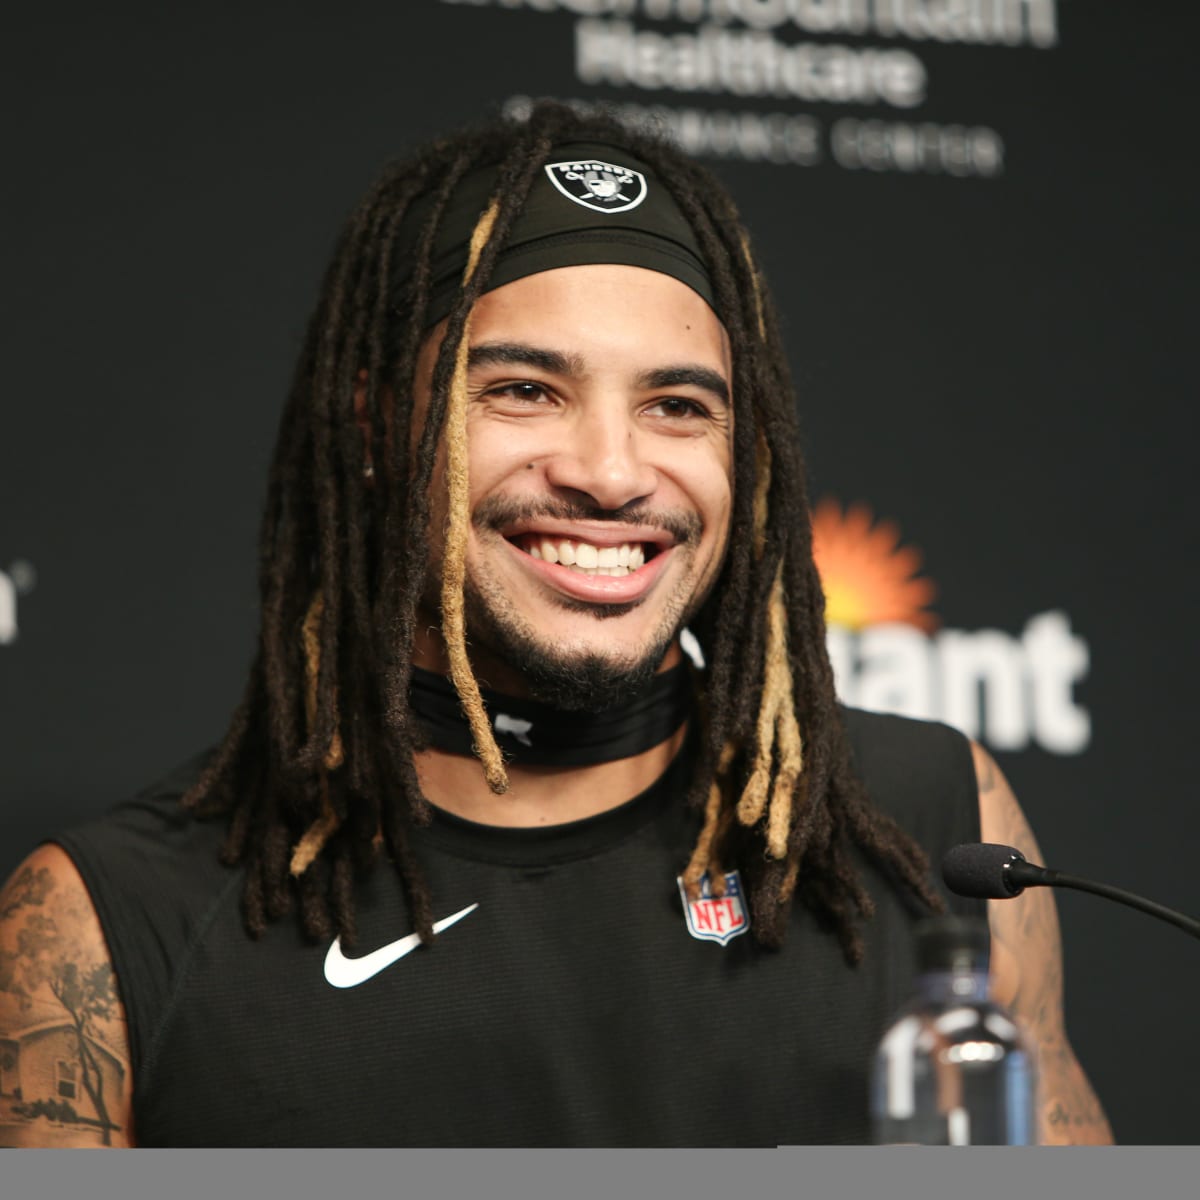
<point x="1026" y="874"/>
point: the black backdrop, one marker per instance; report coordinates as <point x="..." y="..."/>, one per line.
<point x="986" y="303"/>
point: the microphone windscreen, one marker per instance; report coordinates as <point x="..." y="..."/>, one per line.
<point x="977" y="869"/>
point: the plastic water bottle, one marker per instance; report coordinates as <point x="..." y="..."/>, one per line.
<point x="953" y="1069"/>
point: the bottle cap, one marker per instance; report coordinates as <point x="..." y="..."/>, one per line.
<point x="952" y="944"/>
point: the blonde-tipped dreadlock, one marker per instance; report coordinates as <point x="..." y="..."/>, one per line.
<point x="316" y="774"/>
<point x="778" y="757"/>
<point x="454" y="568"/>
<point x="777" y="728"/>
<point x="778" y="744"/>
<point x="318" y="833"/>
<point x="777" y="731"/>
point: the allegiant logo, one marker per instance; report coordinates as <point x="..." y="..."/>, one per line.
<point x="889" y="654"/>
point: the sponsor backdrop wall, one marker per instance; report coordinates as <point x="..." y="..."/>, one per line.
<point x="977" y="220"/>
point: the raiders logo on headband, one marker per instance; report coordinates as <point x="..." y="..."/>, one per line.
<point x="601" y="186"/>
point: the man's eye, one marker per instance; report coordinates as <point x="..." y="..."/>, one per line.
<point x="526" y="393"/>
<point x="677" y="407"/>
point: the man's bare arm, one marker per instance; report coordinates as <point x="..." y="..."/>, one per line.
<point x="1027" y="973"/>
<point x="64" y="1044"/>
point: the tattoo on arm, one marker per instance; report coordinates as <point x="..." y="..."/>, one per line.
<point x="1027" y="972"/>
<point x="28" y="886"/>
<point x="64" y="1059"/>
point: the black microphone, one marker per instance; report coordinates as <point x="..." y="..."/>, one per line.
<point x="986" y="870"/>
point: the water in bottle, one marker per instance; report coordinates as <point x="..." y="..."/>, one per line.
<point x="953" y="1069"/>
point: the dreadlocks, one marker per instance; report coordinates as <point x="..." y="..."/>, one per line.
<point x="316" y="773"/>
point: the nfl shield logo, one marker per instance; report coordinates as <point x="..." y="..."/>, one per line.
<point x="601" y="186"/>
<point x="716" y="918"/>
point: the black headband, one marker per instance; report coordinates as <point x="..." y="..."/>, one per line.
<point x="588" y="204"/>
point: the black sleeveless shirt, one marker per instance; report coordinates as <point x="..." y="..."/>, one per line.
<point x="572" y="1002"/>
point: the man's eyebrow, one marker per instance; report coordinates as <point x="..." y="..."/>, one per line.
<point x="697" y="376"/>
<point x="488" y="354"/>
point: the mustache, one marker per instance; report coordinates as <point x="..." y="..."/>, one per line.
<point x="498" y="512"/>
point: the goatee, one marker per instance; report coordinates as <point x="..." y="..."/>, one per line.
<point x="579" y="683"/>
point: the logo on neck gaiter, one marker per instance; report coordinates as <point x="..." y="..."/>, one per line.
<point x="514" y="726"/>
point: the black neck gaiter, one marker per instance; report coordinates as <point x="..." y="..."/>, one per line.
<point x="535" y="734"/>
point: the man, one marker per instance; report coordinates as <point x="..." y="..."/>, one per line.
<point x="541" y="438"/>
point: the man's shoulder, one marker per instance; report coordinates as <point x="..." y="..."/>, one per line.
<point x="149" y="861"/>
<point x="93" y="927"/>
<point x="151" y="819"/>
<point x="908" y="763"/>
<point x="61" y="1015"/>
<point x="894" y="734"/>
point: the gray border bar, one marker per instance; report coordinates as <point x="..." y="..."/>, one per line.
<point x="827" y="1173"/>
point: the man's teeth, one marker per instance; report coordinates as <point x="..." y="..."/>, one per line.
<point x="589" y="559"/>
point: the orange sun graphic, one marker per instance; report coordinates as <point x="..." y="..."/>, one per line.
<point x="868" y="577"/>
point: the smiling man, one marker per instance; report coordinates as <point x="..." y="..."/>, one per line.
<point x="541" y="693"/>
<point x="599" y="434"/>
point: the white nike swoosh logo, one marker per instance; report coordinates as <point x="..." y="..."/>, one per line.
<point x="514" y="725"/>
<point x="345" y="972"/>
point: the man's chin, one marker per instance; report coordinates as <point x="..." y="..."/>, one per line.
<point x="584" y="682"/>
<point x="573" y="677"/>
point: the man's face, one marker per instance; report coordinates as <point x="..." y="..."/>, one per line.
<point x="599" y="432"/>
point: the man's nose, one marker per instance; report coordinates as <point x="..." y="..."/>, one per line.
<point x="602" y="456"/>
